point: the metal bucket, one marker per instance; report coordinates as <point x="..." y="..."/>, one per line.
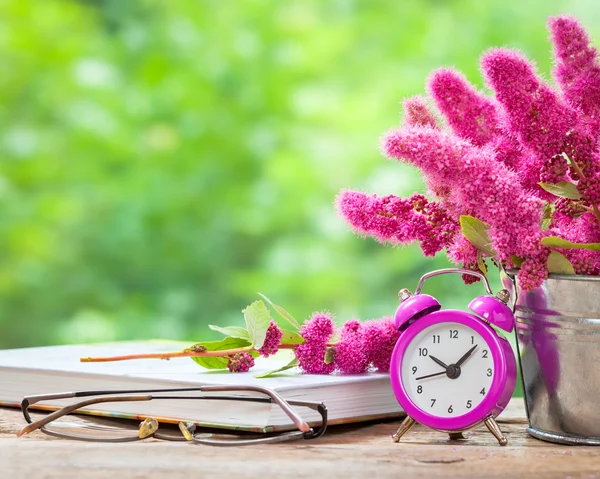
<point x="558" y="339"/>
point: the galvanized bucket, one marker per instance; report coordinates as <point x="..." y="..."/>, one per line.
<point x="558" y="339"/>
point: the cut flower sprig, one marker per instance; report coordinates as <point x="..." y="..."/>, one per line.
<point x="319" y="346"/>
<point x="513" y="178"/>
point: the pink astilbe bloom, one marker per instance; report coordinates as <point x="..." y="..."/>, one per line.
<point x="380" y="337"/>
<point x="555" y="170"/>
<point x="534" y="110"/>
<point x="509" y="151"/>
<point x="544" y="123"/>
<point x="463" y="253"/>
<point x="395" y="220"/>
<point x="240" y="362"/>
<point x="317" y="332"/>
<point x="470" y="114"/>
<point x="350" y="354"/>
<point x="271" y="344"/>
<point x="576" y="69"/>
<point x="534" y="270"/>
<point x="535" y="113"/>
<point x="417" y="112"/>
<point x="568" y="208"/>
<point x="581" y="229"/>
<point x="481" y="186"/>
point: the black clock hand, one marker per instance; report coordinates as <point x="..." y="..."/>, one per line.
<point x="465" y="357"/>
<point x="442" y="364"/>
<point x="430" y="375"/>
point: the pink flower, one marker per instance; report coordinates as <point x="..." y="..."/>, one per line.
<point x="473" y="116"/>
<point x="350" y="354"/>
<point x="535" y="112"/>
<point x="480" y="186"/>
<point x="395" y="220"/>
<point x="271" y="344"/>
<point x="568" y="208"/>
<point x="509" y="151"/>
<point x="417" y="112"/>
<point x="470" y="114"/>
<point x="580" y="229"/>
<point x="463" y="253"/>
<point x="240" y="362"/>
<point x="316" y="332"/>
<point x="380" y="337"/>
<point x="534" y="270"/>
<point x="576" y="69"/>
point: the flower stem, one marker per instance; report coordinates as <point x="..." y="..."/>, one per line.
<point x="167" y="355"/>
<point x="186" y="353"/>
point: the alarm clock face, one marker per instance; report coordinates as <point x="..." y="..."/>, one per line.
<point x="450" y="370"/>
<point x="447" y="369"/>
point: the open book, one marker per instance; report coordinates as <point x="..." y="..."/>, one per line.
<point x="54" y="369"/>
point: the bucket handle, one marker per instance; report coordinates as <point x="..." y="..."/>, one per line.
<point x="513" y="294"/>
<point x="453" y="271"/>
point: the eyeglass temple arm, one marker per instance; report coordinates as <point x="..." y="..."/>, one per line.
<point x="282" y="403"/>
<point x="322" y="410"/>
<point x="68" y="409"/>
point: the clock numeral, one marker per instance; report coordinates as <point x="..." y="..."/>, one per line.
<point x="422" y="351"/>
<point x="453" y="333"/>
<point x="469" y="404"/>
<point x="472" y="339"/>
<point x="489" y="372"/>
<point x="482" y="392"/>
<point x="419" y="389"/>
<point x="432" y="402"/>
<point x="436" y="338"/>
<point x="414" y="369"/>
<point x="450" y="410"/>
<point x="484" y="353"/>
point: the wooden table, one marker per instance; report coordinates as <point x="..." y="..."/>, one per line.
<point x="364" y="451"/>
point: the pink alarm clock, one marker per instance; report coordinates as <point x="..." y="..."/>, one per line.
<point x="450" y="370"/>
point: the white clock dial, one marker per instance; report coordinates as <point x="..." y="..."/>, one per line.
<point x="447" y="391"/>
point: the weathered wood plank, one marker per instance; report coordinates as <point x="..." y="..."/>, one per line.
<point x="345" y="451"/>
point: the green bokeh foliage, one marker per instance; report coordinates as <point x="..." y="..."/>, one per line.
<point x="164" y="161"/>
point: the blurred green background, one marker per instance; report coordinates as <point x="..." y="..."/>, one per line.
<point x="164" y="161"/>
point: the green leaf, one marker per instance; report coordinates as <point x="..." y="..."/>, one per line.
<point x="481" y="263"/>
<point x="475" y="231"/>
<point x="231" y="331"/>
<point x="556" y="242"/>
<point x="563" y="189"/>
<point x="218" y="362"/>
<point x="546" y="224"/>
<point x="557" y="263"/>
<point x="547" y="216"/>
<point x="291" y="337"/>
<point x="257" y="318"/>
<point x="517" y="261"/>
<point x="282" y="312"/>
<point x="329" y="355"/>
<point x="292" y="364"/>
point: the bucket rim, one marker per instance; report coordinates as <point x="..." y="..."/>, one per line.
<point x="562" y="277"/>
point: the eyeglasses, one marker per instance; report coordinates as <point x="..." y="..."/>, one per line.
<point x="74" y="421"/>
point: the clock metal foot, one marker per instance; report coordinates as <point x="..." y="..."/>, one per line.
<point x="404" y="428"/>
<point x="493" y="427"/>
<point x="454" y="436"/>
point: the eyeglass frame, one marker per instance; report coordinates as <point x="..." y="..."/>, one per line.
<point x="305" y="431"/>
